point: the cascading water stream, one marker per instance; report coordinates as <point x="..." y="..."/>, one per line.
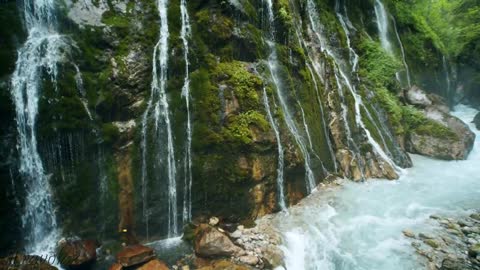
<point x="43" y="50"/>
<point x="185" y="34"/>
<point x="342" y="79"/>
<point x="313" y="65"/>
<point x="402" y="50"/>
<point x="358" y="225"/>
<point x="273" y="65"/>
<point x="281" y="159"/>
<point x="158" y="109"/>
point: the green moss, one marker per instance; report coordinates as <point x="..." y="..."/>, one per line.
<point x="417" y="122"/>
<point x="244" y="83"/>
<point x="239" y="130"/>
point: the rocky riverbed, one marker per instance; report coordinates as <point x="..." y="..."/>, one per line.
<point x="453" y="245"/>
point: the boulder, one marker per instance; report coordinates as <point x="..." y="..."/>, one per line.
<point x="136" y="254"/>
<point x="25" y="262"/>
<point x="476" y="121"/>
<point x="456" y="146"/>
<point x="418" y="97"/>
<point x="153" y="265"/>
<point x="210" y="242"/>
<point x="72" y="253"/>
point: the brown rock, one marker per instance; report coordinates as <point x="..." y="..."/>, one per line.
<point x="210" y="242"/>
<point x="133" y="255"/>
<point x="76" y="252"/>
<point x="154" y="265"/>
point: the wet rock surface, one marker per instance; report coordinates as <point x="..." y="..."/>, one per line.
<point x="454" y="246"/>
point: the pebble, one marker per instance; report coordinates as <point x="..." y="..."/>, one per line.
<point x="408" y="233"/>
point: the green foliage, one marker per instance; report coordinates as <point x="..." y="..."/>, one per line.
<point x="449" y="24"/>
<point x="376" y="65"/>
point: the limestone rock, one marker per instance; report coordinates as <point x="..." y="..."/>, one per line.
<point x="73" y="253"/>
<point x="445" y="147"/>
<point x="210" y="242"/>
<point x="136" y="254"/>
<point x="418" y="97"/>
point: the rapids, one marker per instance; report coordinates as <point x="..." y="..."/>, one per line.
<point x="359" y="225"/>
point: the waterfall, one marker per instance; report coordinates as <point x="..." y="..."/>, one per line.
<point x="273" y="65"/>
<point x="343" y="80"/>
<point x="281" y="161"/>
<point x="402" y="50"/>
<point x="382" y="24"/>
<point x="39" y="56"/>
<point x="158" y="109"/>
<point x="185" y="34"/>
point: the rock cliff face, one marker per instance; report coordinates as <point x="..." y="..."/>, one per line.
<point x="254" y="103"/>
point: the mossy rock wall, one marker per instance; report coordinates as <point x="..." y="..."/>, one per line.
<point x="86" y="126"/>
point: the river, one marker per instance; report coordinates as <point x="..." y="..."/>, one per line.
<point x="359" y="225"/>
